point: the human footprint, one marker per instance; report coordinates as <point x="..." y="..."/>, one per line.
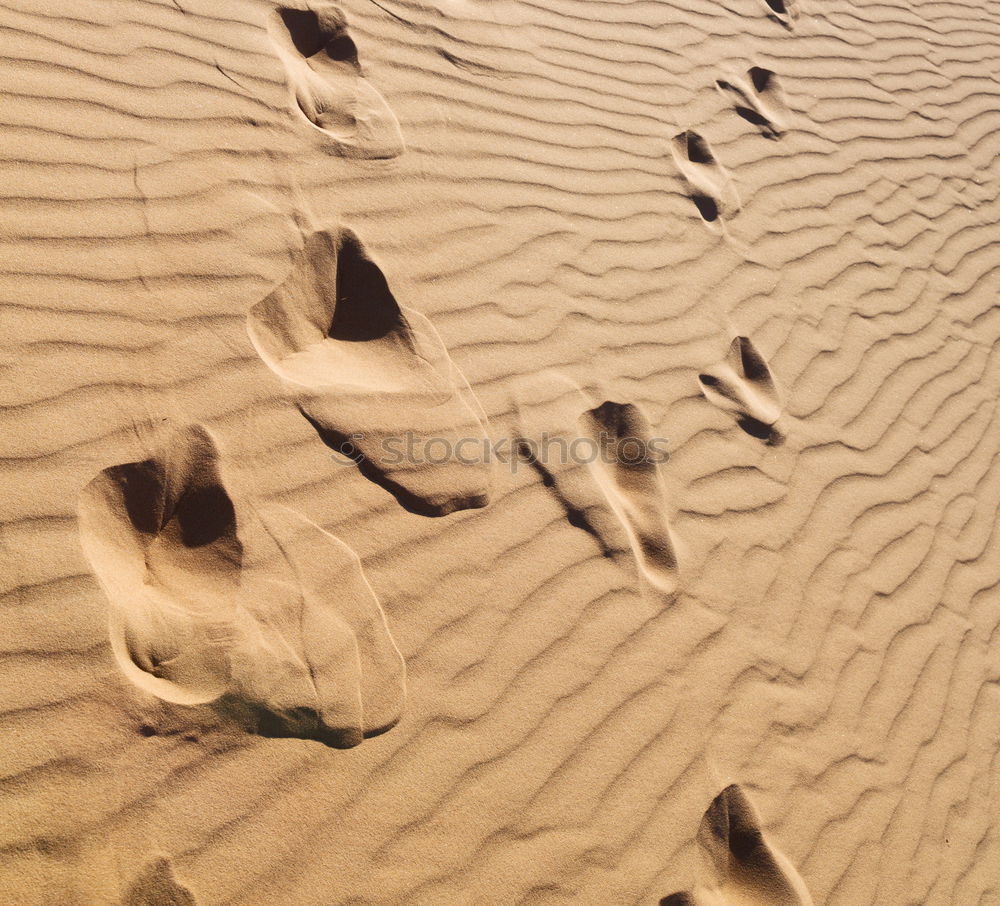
<point x="373" y="378"/>
<point x="261" y="615"/>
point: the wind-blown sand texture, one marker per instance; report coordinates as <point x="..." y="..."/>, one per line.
<point x="832" y="643"/>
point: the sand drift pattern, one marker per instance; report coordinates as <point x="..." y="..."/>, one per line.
<point x="833" y="640"/>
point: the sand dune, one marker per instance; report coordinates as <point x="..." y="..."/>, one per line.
<point x="832" y="639"/>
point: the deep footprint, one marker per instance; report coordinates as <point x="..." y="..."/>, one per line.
<point x="161" y="537"/>
<point x="312" y="607"/>
<point x="749" y="870"/>
<point x="327" y="83"/>
<point x="263" y="617"/>
<point x="784" y="12"/>
<point x="760" y="101"/>
<point x="374" y="378"/>
<point x="628" y="473"/>
<point x="156" y="885"/>
<point x="708" y="184"/>
<point x="743" y="386"/>
<point x="746" y="869"/>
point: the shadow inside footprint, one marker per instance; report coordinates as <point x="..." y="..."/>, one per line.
<point x="576" y="516"/>
<point x="745" y="869"/>
<point x="681" y="898"/>
<point x="374" y="378"/>
<point x="743" y="386"/>
<point x="760" y="101"/>
<point x="708" y="185"/>
<point x="328" y="85"/>
<point x="782" y="11"/>
<point x="627" y="470"/>
<point x="748" y="868"/>
<point x="266" y="618"/>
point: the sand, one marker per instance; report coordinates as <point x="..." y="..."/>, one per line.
<point x="250" y="656"/>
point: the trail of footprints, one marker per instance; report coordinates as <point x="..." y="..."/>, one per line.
<point x="253" y="616"/>
<point x="187" y="570"/>
<point x="758" y="98"/>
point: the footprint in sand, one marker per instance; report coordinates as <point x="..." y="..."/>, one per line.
<point x="743" y="385"/>
<point x="784" y="12"/>
<point x="747" y="869"/>
<point x="708" y="184"/>
<point x="327" y="83"/>
<point x="261" y="615"/>
<point x="760" y="101"/>
<point x="627" y="471"/>
<point x="374" y="378"/>
<point x="156" y="885"/>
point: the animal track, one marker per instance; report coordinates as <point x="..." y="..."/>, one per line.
<point x="156" y="885"/>
<point x="743" y="385"/>
<point x="760" y="101"/>
<point x="629" y="476"/>
<point x="709" y="186"/>
<point x="266" y="618"/>
<point x="368" y="373"/>
<point x="747" y="870"/>
<point x="328" y="85"/>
